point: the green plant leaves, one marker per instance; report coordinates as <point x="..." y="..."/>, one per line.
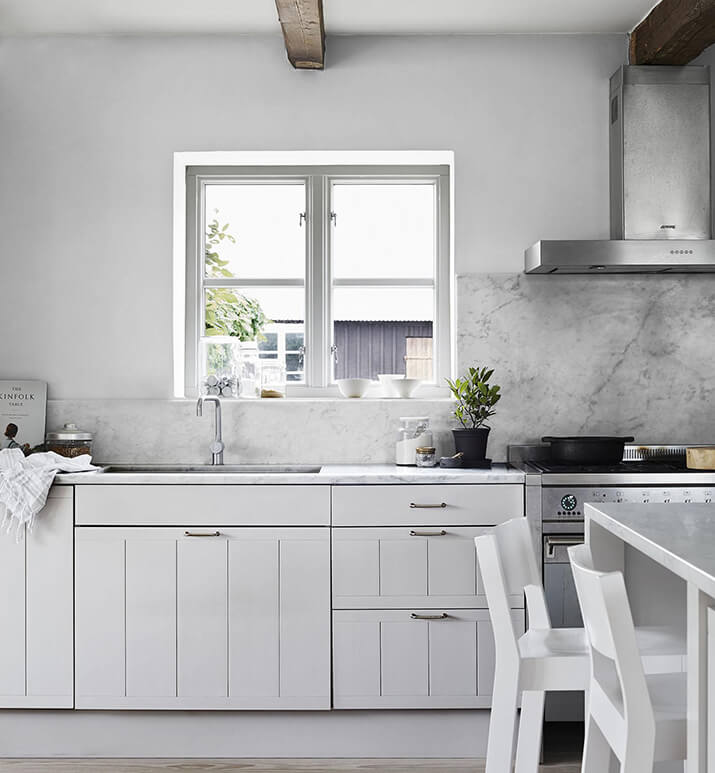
<point x="475" y="397"/>
<point x="226" y="311"/>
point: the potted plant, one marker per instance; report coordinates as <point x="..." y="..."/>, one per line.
<point x="475" y="404"/>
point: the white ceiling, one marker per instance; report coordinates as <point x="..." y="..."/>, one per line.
<point x="342" y="17"/>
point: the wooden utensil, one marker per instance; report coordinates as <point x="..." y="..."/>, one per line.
<point x="702" y="458"/>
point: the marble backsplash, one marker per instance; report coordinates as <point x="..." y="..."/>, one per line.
<point x="606" y="354"/>
<point x="627" y="355"/>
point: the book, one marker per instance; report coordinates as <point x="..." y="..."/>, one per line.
<point x="23" y="406"/>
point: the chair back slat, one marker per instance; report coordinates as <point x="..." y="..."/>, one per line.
<point x="495" y="588"/>
<point x="616" y="662"/>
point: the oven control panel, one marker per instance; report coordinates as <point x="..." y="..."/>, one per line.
<point x="564" y="503"/>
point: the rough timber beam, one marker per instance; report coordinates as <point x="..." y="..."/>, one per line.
<point x="674" y="32"/>
<point x="304" y="32"/>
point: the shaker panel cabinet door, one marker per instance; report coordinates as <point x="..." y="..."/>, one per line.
<point x="36" y="657"/>
<point x="414" y="659"/>
<point x="203" y="618"/>
<point x="422" y="566"/>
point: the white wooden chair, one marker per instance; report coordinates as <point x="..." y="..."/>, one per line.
<point x="640" y="718"/>
<point x="543" y="658"/>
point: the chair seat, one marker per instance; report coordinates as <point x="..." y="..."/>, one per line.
<point x="559" y="659"/>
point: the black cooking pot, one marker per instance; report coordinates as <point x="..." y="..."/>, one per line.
<point x="587" y="450"/>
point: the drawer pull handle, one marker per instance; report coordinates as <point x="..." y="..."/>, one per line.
<point x="416" y="506"/>
<point x="202" y="534"/>
<point x="441" y="616"/>
<point x="440" y="533"/>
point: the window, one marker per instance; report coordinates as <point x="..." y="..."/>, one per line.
<point x="332" y="272"/>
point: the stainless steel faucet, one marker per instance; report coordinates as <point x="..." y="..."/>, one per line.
<point x="217" y="446"/>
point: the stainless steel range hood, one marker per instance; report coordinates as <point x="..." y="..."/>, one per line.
<point x="659" y="181"/>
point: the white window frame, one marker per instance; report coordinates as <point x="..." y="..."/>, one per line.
<point x="194" y="173"/>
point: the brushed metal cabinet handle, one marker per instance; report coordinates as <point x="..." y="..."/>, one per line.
<point x="202" y="534"/>
<point x="440" y="533"/>
<point x="441" y="616"/>
<point x="416" y="506"/>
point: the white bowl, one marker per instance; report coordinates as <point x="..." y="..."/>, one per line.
<point x="405" y="387"/>
<point x="353" y="387"/>
<point x="387" y="380"/>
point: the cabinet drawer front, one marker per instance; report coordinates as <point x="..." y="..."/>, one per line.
<point x="240" y="505"/>
<point x="390" y="567"/>
<point x="388" y="659"/>
<point x="465" y="505"/>
<point x="219" y="618"/>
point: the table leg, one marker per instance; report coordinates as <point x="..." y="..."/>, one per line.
<point x="698" y="604"/>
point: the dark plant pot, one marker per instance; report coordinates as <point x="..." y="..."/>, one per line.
<point x="472" y="443"/>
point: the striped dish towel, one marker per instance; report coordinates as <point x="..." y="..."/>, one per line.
<point x="25" y="482"/>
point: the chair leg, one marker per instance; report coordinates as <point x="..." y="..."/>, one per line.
<point x="500" y="747"/>
<point x="528" y="746"/>
<point x="596" y="751"/>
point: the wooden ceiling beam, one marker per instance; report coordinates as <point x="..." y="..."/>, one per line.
<point x="303" y="32"/>
<point x="674" y="32"/>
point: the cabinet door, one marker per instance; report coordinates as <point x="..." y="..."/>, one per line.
<point x="423" y="566"/>
<point x="397" y="659"/>
<point x="203" y="618"/>
<point x="36" y="610"/>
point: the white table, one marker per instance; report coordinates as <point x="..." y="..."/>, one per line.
<point x="667" y="554"/>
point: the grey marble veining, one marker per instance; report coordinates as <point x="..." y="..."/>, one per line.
<point x="627" y="355"/>
<point x="305" y="431"/>
<point x="631" y="355"/>
<point x="332" y="474"/>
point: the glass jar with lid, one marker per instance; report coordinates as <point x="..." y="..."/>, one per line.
<point x="70" y="441"/>
<point x="414" y="433"/>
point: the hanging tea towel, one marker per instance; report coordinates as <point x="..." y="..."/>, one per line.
<point x="25" y="482"/>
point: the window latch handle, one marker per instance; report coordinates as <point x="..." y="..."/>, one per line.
<point x="334" y="352"/>
<point x="302" y="218"/>
<point x="333" y="217"/>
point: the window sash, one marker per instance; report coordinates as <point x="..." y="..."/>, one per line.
<point x="318" y="281"/>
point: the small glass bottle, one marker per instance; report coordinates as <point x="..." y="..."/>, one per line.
<point x="426" y="456"/>
<point x="248" y="370"/>
<point x="273" y="379"/>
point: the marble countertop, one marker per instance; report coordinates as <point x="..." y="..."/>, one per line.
<point x="680" y="537"/>
<point x="330" y="474"/>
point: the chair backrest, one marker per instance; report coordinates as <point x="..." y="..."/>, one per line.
<point x="617" y="671"/>
<point x="507" y="564"/>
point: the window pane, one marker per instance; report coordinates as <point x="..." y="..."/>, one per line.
<point x="255" y="228"/>
<point x="373" y="328"/>
<point x="275" y="313"/>
<point x="383" y="230"/>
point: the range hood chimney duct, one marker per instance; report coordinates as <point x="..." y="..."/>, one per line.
<point x="659" y="180"/>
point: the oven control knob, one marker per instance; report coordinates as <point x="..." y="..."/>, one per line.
<point x="568" y="502"/>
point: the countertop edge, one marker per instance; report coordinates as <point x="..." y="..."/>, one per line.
<point x="330" y="475"/>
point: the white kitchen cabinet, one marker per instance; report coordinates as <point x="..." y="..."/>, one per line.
<point x="396" y="659"/>
<point x="236" y="619"/>
<point x="396" y="567"/>
<point x="427" y="504"/>
<point x="36" y="656"/>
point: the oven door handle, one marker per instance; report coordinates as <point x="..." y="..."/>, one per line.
<point x="561" y="542"/>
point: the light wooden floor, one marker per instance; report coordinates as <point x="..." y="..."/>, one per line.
<point x="253" y="766"/>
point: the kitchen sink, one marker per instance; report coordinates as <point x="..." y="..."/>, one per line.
<point x="217" y="469"/>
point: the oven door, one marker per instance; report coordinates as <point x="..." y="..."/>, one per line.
<point x="559" y="586"/>
<point x="565" y="612"/>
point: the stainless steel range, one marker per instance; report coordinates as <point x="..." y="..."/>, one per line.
<point x="555" y="499"/>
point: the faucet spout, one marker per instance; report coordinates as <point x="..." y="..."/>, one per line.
<point x="218" y="445"/>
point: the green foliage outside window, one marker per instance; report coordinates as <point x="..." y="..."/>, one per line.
<point x="226" y="311"/>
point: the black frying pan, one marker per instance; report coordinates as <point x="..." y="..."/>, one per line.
<point x="587" y="450"/>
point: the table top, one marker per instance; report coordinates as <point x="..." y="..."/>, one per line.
<point x="679" y="536"/>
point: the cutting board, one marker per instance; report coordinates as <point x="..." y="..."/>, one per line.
<point x="701" y="458"/>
